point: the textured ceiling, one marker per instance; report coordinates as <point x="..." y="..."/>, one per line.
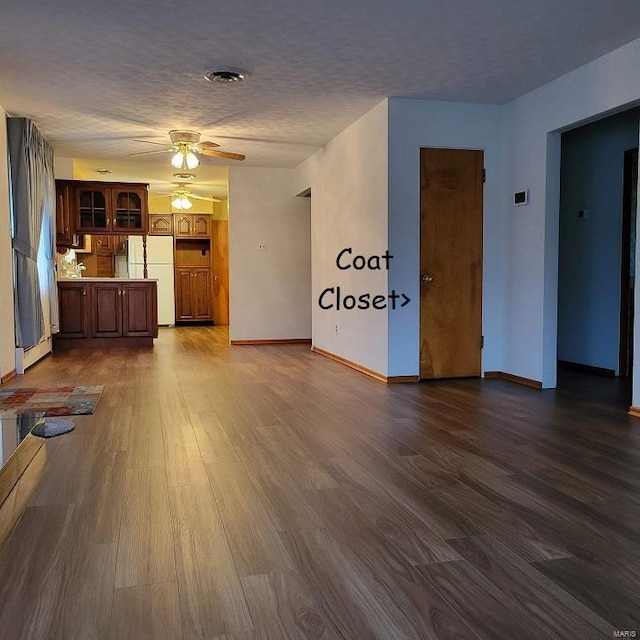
<point x="96" y="74"/>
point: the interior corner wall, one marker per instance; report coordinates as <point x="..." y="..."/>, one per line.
<point x="419" y="123"/>
<point x="601" y="87"/>
<point x="269" y="290"/>
<point x="7" y="331"/>
<point x="589" y="268"/>
<point x="63" y="168"/>
<point x="349" y="200"/>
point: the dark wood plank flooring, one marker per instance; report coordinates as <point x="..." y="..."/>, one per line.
<point x="268" y="493"/>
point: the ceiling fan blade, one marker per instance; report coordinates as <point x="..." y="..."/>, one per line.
<point x="149" y="153"/>
<point x="223" y="154"/>
<point x="195" y="197"/>
<point x="162" y="144"/>
<point x="207" y="145"/>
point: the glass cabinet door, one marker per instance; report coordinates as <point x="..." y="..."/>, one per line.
<point x="127" y="209"/>
<point x="92" y="208"/>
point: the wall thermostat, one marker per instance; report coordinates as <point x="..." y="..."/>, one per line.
<point x="521" y="197"/>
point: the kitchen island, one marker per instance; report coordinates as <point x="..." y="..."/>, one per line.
<point x="107" y="312"/>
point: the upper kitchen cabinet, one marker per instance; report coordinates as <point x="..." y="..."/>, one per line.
<point x="192" y="225"/>
<point x="111" y="208"/>
<point x="160" y="224"/>
<point x="65" y="215"/>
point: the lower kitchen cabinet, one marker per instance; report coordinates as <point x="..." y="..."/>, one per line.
<point x="109" y="312"/>
<point x="193" y="293"/>
<point x="75" y="314"/>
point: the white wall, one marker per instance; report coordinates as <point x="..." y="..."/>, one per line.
<point x="589" y="266"/>
<point x="604" y="85"/>
<point x="63" y="168"/>
<point x="349" y="202"/>
<point x="7" y="333"/>
<point x="414" y="124"/>
<point x="269" y="291"/>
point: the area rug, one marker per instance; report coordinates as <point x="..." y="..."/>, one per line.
<point x="54" y="401"/>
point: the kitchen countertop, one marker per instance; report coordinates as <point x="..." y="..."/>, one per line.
<point x="107" y="279"/>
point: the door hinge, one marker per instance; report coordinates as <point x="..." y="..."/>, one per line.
<point x="482" y="342"/>
<point x="484" y="175"/>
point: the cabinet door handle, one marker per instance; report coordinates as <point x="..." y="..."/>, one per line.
<point x="124" y="293"/>
<point x="119" y="292"/>
<point x="84" y="293"/>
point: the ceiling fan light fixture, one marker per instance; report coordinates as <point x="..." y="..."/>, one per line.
<point x="226" y="75"/>
<point x="181" y="202"/>
<point x="191" y="160"/>
<point x="184" y="159"/>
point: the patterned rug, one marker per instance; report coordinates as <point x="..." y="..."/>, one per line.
<point x="54" y="401"/>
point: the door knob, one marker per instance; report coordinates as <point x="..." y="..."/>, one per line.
<point x="427" y="278"/>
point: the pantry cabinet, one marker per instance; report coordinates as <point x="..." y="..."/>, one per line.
<point x="193" y="293"/>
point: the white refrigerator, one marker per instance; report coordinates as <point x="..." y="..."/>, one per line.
<point x="160" y="268"/>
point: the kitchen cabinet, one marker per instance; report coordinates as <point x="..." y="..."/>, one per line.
<point x="160" y="224"/>
<point x="102" y="312"/>
<point x="65" y="214"/>
<point x="193" y="277"/>
<point x="192" y="225"/>
<point x="110" y="207"/>
<point x="193" y="293"/>
<point x="123" y="309"/>
<point x="106" y="248"/>
<point x="73" y="304"/>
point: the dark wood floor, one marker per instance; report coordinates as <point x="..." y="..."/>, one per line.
<point x="266" y="492"/>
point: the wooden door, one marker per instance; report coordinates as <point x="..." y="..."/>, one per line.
<point x="220" y="260"/>
<point x="73" y="301"/>
<point x="160" y="224"/>
<point x="65" y="216"/>
<point x="106" y="316"/>
<point x="184" y="295"/>
<point x="451" y="185"/>
<point x="182" y="226"/>
<point x="627" y="279"/>
<point x="129" y="209"/>
<point x="139" y="309"/>
<point x="200" y="226"/>
<point x="92" y="210"/>
<point x="202" y="294"/>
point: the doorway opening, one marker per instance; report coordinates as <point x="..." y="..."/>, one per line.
<point x="596" y="265"/>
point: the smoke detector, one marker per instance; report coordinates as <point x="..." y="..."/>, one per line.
<point x="226" y="75"/>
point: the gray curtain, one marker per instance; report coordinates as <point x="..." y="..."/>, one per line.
<point x="33" y="197"/>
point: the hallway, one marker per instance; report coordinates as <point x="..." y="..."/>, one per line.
<point x="266" y="493"/>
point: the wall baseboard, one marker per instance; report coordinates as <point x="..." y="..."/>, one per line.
<point x="275" y="341"/>
<point x="8" y="376"/>
<point x="510" y="377"/>
<point x="368" y="372"/>
<point x="587" y="368"/>
<point x="402" y="379"/>
<point x="634" y="411"/>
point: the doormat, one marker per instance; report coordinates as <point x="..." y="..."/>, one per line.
<point x="53" y="401"/>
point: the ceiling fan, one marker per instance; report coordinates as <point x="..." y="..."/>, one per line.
<point x="186" y="146"/>
<point x="182" y="196"/>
